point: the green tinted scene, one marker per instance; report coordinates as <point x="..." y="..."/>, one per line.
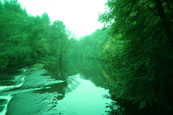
<point x="86" y="57"/>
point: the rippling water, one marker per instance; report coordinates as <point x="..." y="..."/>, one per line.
<point x="9" y="82"/>
<point x="31" y="92"/>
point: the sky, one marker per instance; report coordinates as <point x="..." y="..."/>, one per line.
<point x="79" y="16"/>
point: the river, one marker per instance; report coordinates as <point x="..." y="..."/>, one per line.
<point x="31" y="91"/>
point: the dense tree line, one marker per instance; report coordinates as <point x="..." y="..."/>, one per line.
<point x="88" y="47"/>
<point x="26" y="40"/>
<point x="141" y="52"/>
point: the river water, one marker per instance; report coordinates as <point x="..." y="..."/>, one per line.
<point x="32" y="92"/>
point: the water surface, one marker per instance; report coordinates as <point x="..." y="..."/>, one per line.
<point x="36" y="94"/>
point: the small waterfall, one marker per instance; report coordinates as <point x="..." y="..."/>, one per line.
<point x="4" y="97"/>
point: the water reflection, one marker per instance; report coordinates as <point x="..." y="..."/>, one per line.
<point x="84" y="99"/>
<point x="95" y="71"/>
<point x="42" y="94"/>
<point x="90" y="69"/>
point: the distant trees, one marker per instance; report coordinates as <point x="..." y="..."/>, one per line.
<point x="26" y="40"/>
<point x="88" y="47"/>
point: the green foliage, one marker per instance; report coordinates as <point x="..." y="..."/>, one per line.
<point x="26" y="40"/>
<point x="88" y="47"/>
<point x="140" y="50"/>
